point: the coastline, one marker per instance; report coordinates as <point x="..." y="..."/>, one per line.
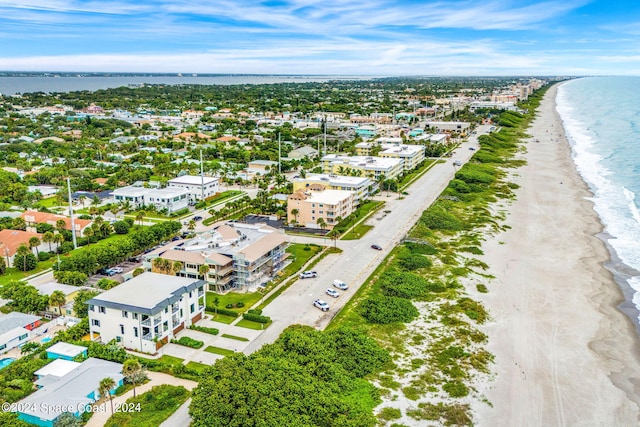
<point x="565" y="353"/>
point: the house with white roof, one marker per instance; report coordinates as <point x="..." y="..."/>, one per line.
<point x="15" y="329"/>
<point x="361" y="186"/>
<point x="143" y="313"/>
<point x="200" y="187"/>
<point x="369" y="166"/>
<point x="172" y="199"/>
<point x="66" y="386"/>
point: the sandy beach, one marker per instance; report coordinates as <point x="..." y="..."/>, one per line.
<point x="565" y="354"/>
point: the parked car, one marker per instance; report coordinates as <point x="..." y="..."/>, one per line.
<point x="472" y="149"/>
<point x="321" y="305"/>
<point x="333" y="293"/>
<point x="118" y="270"/>
<point x="376" y="247"/>
<point x="109" y="272"/>
<point x="457" y="163"/>
<point x="340" y="285"/>
<point x="197" y="218"/>
<point x="308" y="274"/>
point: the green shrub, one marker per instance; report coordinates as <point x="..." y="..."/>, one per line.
<point x="482" y="288"/>
<point x="255" y="311"/>
<point x="455" y="389"/>
<point x="44" y="256"/>
<point x="212" y="331"/>
<point x="403" y="284"/>
<point x="222" y="311"/>
<point x="256" y="318"/>
<point x="388" y="309"/>
<point x="188" y="342"/>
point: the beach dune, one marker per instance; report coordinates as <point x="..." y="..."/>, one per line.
<point x="565" y="355"/>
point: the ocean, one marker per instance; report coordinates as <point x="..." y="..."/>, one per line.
<point x="14" y="85"/>
<point x="601" y="117"/>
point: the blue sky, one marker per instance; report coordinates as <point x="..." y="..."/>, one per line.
<point x="353" y="37"/>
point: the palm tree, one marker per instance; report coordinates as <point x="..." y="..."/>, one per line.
<point x="88" y="233"/>
<point x="82" y="199"/>
<point x="321" y="223"/>
<point x="334" y="235"/>
<point x="203" y="270"/>
<point x="140" y="216"/>
<point x="132" y="371"/>
<point x="22" y="253"/>
<point x="58" y="299"/>
<point x="58" y="239"/>
<point x="192" y="225"/>
<point x="105" y="386"/>
<point x="48" y="238"/>
<point x="176" y="267"/>
<point x="295" y="213"/>
<point x="34" y="242"/>
<point x="61" y="225"/>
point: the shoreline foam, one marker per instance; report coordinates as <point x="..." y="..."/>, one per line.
<point x="565" y="355"/>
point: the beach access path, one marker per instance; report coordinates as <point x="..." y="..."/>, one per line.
<point x="565" y="355"/>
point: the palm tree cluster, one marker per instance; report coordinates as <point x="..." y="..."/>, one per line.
<point x="165" y="266"/>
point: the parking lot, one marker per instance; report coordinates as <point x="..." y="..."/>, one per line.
<point x="120" y="270"/>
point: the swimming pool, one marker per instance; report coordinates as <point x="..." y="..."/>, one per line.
<point x="6" y="362"/>
<point x="45" y="339"/>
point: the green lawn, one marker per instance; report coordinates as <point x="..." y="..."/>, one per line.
<point x="244" y="323"/>
<point x="197" y="366"/>
<point x="299" y="257"/>
<point x="221" y="318"/>
<point x="357" y="232"/>
<point x="16" y="274"/>
<point x="165" y="359"/>
<point x="218" y="350"/>
<point x="363" y="211"/>
<point x="247" y="298"/>
<point x="49" y="202"/>
<point x="154" y="406"/>
<point x="235" y="337"/>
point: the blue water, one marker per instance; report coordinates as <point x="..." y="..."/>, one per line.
<point x="13" y="85"/>
<point x="45" y="340"/>
<point x="601" y="117"/>
<point x="6" y="362"/>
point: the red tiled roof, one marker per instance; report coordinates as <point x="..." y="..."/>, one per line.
<point x="10" y="240"/>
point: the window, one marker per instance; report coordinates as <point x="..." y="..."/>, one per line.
<point x="68" y="311"/>
<point x="166" y="309"/>
<point x="190" y="294"/>
<point x="95" y="322"/>
<point x="122" y="329"/>
<point x="313" y="211"/>
<point x="102" y="309"/>
<point x="181" y="313"/>
<point x="165" y="326"/>
<point x="135" y="331"/>
<point x="135" y="316"/>
<point x="91" y="307"/>
<point x="192" y="308"/>
<point x="23" y="337"/>
<point x="125" y="314"/>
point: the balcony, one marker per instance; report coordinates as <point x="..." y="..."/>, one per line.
<point x="148" y="337"/>
<point x="175" y="308"/>
<point x="146" y="322"/>
<point x="200" y="292"/>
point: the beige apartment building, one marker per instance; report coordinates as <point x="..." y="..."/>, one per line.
<point x="307" y="207"/>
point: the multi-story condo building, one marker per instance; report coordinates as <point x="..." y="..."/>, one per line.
<point x="368" y="166"/>
<point x="172" y="199"/>
<point x="361" y="186"/>
<point x="200" y="187"/>
<point x="307" y="207"/>
<point x="237" y="256"/>
<point x="411" y="155"/>
<point x="146" y="311"/>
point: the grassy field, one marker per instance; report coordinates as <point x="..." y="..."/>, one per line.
<point x="357" y="232"/>
<point x="156" y="405"/>
<point x="244" y="323"/>
<point x="197" y="366"/>
<point x="218" y="350"/>
<point x="17" y="274"/>
<point x="247" y="298"/>
<point x="235" y="337"/>
<point x="221" y="318"/>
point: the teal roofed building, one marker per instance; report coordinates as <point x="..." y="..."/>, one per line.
<point x="367" y="131"/>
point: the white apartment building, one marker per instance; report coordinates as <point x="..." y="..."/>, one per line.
<point x="361" y="186"/>
<point x="200" y="187"/>
<point x="143" y="313"/>
<point x="368" y="166"/>
<point x="393" y="148"/>
<point x="172" y="199"/>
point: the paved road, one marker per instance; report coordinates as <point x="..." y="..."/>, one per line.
<point x="359" y="260"/>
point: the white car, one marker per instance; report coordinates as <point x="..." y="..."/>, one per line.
<point x="340" y="285"/>
<point x="333" y="293"/>
<point x="321" y="305"/>
<point x="308" y="274"/>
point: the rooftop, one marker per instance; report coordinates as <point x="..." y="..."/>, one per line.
<point x="15" y="320"/>
<point x="148" y="293"/>
<point x="192" y="180"/>
<point x="330" y="197"/>
<point x="66" y="349"/>
<point x="334" y="180"/>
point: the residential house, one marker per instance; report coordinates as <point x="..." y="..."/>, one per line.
<point x="70" y="293"/>
<point x="67" y="385"/>
<point x="11" y="240"/>
<point x="143" y="313"/>
<point x="33" y="218"/>
<point x="15" y="329"/>
<point x="307" y="206"/>
<point x="449" y="126"/>
<point x="302" y="152"/>
<point x="172" y="199"/>
<point x="200" y="187"/>
<point x="65" y="351"/>
<point x="260" y="167"/>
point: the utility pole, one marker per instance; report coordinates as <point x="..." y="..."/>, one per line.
<point x="279" y="155"/>
<point x="202" y="175"/>
<point x="73" y="224"/>
<point x="325" y="134"/>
